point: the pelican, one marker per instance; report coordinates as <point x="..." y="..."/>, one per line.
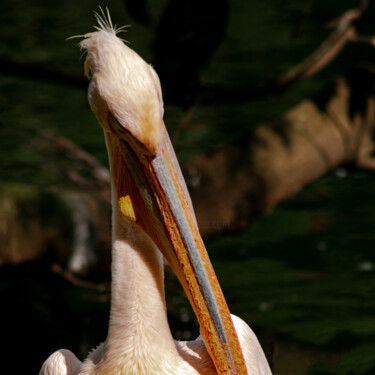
<point x="152" y="217"/>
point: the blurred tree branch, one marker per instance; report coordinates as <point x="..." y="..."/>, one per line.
<point x="87" y="172"/>
<point x="344" y="32"/>
<point x="280" y="158"/>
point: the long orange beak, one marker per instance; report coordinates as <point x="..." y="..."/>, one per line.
<point x="170" y="222"/>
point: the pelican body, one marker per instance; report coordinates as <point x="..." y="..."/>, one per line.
<point x="152" y="217"/>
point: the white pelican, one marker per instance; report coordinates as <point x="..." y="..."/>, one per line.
<point x="152" y="217"/>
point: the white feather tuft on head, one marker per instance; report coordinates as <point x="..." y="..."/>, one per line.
<point x="122" y="85"/>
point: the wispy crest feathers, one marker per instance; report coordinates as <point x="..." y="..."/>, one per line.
<point x="103" y="18"/>
<point x="105" y="22"/>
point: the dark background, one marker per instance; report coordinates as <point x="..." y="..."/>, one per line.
<point x="301" y="276"/>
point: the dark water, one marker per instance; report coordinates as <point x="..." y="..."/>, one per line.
<point x="304" y="276"/>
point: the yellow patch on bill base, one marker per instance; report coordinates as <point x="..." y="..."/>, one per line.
<point x="126" y="207"/>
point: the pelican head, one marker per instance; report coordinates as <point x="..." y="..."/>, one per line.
<point x="125" y="88"/>
<point x="125" y="96"/>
